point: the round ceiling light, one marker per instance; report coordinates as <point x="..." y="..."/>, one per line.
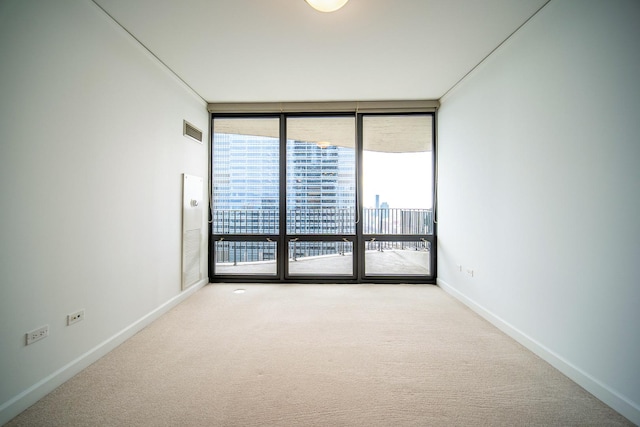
<point x="326" y="5"/>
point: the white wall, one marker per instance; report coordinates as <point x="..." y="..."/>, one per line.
<point x="539" y="192"/>
<point x="91" y="162"/>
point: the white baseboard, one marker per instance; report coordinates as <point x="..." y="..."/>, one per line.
<point x="28" y="397"/>
<point x="619" y="403"/>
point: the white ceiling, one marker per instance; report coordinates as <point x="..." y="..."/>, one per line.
<point x="283" y="50"/>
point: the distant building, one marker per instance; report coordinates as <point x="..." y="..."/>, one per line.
<point x="320" y="192"/>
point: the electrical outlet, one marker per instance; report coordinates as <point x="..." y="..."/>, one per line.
<point x="459" y="267"/>
<point x="75" y="317"/>
<point x="37" y="334"/>
<point x="470" y="272"/>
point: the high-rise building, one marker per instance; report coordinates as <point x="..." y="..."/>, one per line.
<point x="320" y="191"/>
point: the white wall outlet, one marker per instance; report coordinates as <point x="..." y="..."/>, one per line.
<point x="37" y="334"/>
<point x="470" y="272"/>
<point x="459" y="267"/>
<point x="75" y="317"/>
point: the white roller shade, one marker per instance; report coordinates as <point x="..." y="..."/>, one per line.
<point x="419" y="106"/>
<point x="392" y="133"/>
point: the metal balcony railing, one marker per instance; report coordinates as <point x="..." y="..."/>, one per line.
<point x="325" y="220"/>
<point x="397" y="221"/>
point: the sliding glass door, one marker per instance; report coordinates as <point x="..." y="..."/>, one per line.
<point x="335" y="198"/>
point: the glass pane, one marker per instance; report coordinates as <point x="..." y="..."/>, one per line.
<point x="321" y="178"/>
<point x="256" y="258"/>
<point x="397" y="258"/>
<point x="321" y="258"/>
<point x="397" y="174"/>
<point x="245" y="176"/>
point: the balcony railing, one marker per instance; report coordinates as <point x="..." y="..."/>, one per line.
<point x="325" y="220"/>
<point x="316" y="221"/>
<point x="397" y="221"/>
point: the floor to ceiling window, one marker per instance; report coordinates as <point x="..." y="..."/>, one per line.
<point x="398" y="182"/>
<point x="320" y="196"/>
<point x="245" y="197"/>
<point x="326" y="197"/>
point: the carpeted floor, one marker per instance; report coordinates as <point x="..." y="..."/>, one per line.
<point x="320" y="355"/>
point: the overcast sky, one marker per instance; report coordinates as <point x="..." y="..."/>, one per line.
<point x="403" y="180"/>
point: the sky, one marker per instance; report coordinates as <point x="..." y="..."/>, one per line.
<point x="403" y="180"/>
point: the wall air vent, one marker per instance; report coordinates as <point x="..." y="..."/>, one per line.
<point x="191" y="131"/>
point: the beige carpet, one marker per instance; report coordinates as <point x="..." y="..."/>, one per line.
<point x="320" y="355"/>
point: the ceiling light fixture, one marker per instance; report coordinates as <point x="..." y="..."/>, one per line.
<point x="326" y="5"/>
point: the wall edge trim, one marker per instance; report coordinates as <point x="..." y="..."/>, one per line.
<point x="607" y="395"/>
<point x="151" y="54"/>
<point x="20" y="402"/>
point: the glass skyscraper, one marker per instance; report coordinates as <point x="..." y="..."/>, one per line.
<point x="320" y="191"/>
